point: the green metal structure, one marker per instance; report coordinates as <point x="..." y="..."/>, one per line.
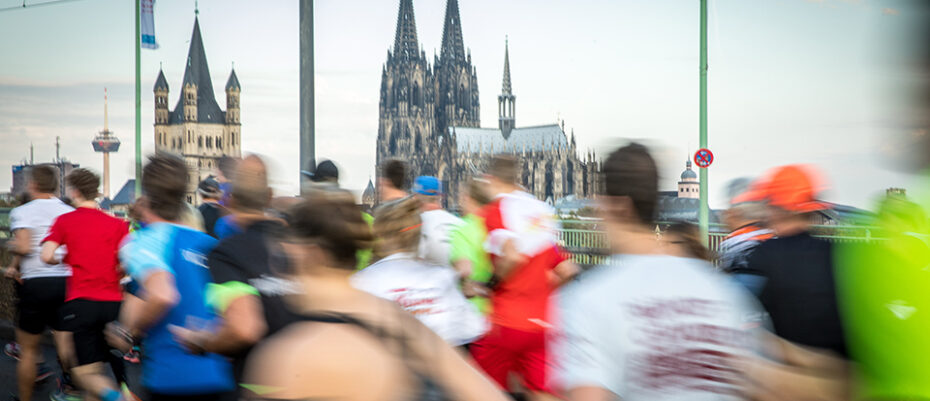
<point x="704" y="211"/>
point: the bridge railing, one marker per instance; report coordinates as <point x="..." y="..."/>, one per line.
<point x="587" y="242"/>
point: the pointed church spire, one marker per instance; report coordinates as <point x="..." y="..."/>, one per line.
<point x="405" y="40"/>
<point x="453" y="46"/>
<point x="161" y="83"/>
<point x="507" y="90"/>
<point x="506" y="102"/>
<point x="197" y="74"/>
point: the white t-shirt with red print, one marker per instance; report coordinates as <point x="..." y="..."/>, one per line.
<point x="650" y="327"/>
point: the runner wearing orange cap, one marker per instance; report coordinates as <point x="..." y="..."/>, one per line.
<point x="798" y="290"/>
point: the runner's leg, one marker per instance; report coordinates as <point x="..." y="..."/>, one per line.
<point x="28" y="358"/>
<point x="95" y="383"/>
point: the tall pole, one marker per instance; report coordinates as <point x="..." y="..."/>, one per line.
<point x="307" y="134"/>
<point x="704" y="212"/>
<point x="106" y="153"/>
<point x="138" y="189"/>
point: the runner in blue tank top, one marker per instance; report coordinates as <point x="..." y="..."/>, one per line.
<point x="168" y="260"/>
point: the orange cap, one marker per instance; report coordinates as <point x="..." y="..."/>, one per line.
<point x="792" y="188"/>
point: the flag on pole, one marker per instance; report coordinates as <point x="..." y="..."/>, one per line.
<point x="148" y="24"/>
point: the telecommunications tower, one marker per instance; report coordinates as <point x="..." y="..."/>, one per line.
<point x="105" y="143"/>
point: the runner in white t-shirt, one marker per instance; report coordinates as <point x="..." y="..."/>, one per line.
<point x="648" y="326"/>
<point x="41" y="292"/>
<point x="426" y="290"/>
<point x="438" y="224"/>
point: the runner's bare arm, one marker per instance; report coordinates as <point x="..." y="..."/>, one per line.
<point x="12" y="271"/>
<point x="509" y="260"/>
<point x="159" y="295"/>
<point x="22" y="242"/>
<point x="448" y="366"/>
<point x="463" y="267"/>
<point x="565" y="272"/>
<point x="591" y="394"/>
<point x="48" y="252"/>
<point x="243" y="326"/>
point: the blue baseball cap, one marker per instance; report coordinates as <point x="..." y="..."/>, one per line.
<point x="427" y="185"/>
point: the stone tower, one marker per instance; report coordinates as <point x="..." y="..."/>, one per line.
<point x="456" y="78"/>
<point x="197" y="129"/>
<point x="506" y="102"/>
<point x="407" y="106"/>
<point x="689" y="186"/>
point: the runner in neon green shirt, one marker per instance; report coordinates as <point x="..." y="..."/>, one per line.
<point x="882" y="287"/>
<point x="467" y="253"/>
<point x="363" y="256"/>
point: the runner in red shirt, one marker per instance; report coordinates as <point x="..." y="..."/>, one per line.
<point x="93" y="294"/>
<point x="528" y="266"/>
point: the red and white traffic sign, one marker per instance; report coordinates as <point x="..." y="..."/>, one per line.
<point x="703" y="158"/>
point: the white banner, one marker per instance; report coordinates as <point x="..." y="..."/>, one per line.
<point x="148" y="24"/>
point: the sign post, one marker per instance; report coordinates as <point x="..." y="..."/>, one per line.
<point x="704" y="211"/>
<point x="703" y="158"/>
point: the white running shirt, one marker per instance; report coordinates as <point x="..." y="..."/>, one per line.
<point x="435" y="235"/>
<point x="650" y="327"/>
<point x="37" y="216"/>
<point x="428" y="291"/>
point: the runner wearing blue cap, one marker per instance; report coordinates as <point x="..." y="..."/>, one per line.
<point x="435" y="234"/>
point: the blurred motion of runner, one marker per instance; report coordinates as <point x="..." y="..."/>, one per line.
<point x="350" y="345"/>
<point x="528" y="266"/>
<point x="648" y="325"/>
<point x="168" y="261"/>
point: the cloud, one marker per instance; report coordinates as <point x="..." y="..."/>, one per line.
<point x="890" y="11"/>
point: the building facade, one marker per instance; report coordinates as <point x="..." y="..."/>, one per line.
<point x="21" y="174"/>
<point x="198" y="129"/>
<point x="689" y="186"/>
<point x="429" y="117"/>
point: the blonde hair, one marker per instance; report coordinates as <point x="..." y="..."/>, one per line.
<point x="397" y="227"/>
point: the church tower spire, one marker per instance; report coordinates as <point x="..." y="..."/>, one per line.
<point x="506" y="102"/>
<point x="456" y="78"/>
<point x="405" y="40"/>
<point x="453" y="46"/>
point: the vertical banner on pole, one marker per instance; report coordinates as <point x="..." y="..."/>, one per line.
<point x="148" y="24"/>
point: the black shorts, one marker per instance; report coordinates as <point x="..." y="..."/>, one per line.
<point x="87" y="320"/>
<point x="40" y="303"/>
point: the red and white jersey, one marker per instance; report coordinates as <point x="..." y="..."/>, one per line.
<point x="519" y="216"/>
<point x="521" y="299"/>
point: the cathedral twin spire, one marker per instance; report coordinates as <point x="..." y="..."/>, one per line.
<point x="453" y="46"/>
<point x="405" y="40"/>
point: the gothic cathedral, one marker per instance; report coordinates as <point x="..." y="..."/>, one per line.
<point x="429" y="117"/>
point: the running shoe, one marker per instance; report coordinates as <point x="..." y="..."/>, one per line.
<point x="66" y="392"/>
<point x="132" y="356"/>
<point x="128" y="395"/>
<point x="63" y="396"/>
<point x="11" y="350"/>
<point x="43" y="372"/>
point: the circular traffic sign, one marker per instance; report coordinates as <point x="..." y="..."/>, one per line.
<point x="703" y="158"/>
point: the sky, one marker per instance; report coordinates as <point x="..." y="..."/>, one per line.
<point x="790" y="81"/>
